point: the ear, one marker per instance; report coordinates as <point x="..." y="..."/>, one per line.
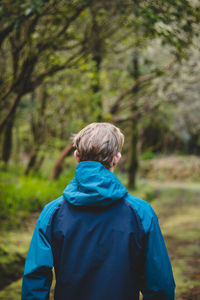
<point x="76" y="156"/>
<point x="116" y="159"/>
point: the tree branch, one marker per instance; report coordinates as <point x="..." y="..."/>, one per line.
<point x="143" y="110"/>
<point x="143" y="79"/>
<point x="5" y="32"/>
<point x="53" y="70"/>
<point x="76" y="14"/>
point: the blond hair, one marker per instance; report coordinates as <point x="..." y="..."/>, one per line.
<point x="99" y="142"/>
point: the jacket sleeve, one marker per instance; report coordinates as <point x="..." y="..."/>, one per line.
<point x="158" y="282"/>
<point x="37" y="276"/>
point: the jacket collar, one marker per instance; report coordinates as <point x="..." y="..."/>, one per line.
<point x="93" y="185"/>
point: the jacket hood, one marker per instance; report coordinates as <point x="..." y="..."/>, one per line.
<point x="93" y="185"/>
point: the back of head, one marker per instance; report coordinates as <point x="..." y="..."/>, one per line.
<point x="99" y="142"/>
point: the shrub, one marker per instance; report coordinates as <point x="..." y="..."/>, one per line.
<point x="19" y="193"/>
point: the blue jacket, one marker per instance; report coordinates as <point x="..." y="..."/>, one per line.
<point x="103" y="243"/>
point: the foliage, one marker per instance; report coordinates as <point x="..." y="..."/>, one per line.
<point x="65" y="64"/>
<point x="21" y="194"/>
<point x="178" y="94"/>
<point x="147" y="155"/>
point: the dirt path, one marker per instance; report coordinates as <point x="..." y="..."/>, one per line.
<point x="194" y="186"/>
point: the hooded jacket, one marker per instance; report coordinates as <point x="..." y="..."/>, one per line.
<point x="102" y="242"/>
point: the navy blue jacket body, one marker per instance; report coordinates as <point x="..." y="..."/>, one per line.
<point x="103" y="243"/>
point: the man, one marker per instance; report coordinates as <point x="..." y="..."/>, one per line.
<point x="103" y="243"/>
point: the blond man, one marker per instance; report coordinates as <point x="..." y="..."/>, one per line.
<point x="103" y="243"/>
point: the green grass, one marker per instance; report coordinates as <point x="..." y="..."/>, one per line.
<point x="178" y="211"/>
<point x="21" y="195"/>
<point x="11" y="292"/>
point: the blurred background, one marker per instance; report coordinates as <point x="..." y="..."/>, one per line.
<point x="65" y="64"/>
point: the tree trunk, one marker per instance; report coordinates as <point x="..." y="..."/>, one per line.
<point x="7" y="143"/>
<point x="38" y="131"/>
<point x="38" y="163"/>
<point x="96" y="88"/>
<point x="10" y="114"/>
<point x="132" y="170"/>
<point x="58" y="165"/>
<point x="96" y="49"/>
<point x="32" y="161"/>
<point x="133" y="157"/>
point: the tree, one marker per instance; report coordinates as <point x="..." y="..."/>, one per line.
<point x="33" y="51"/>
<point x="84" y="57"/>
<point x="162" y="25"/>
<point x="179" y="92"/>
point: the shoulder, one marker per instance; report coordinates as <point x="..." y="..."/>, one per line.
<point x="48" y="211"/>
<point x="143" y="209"/>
